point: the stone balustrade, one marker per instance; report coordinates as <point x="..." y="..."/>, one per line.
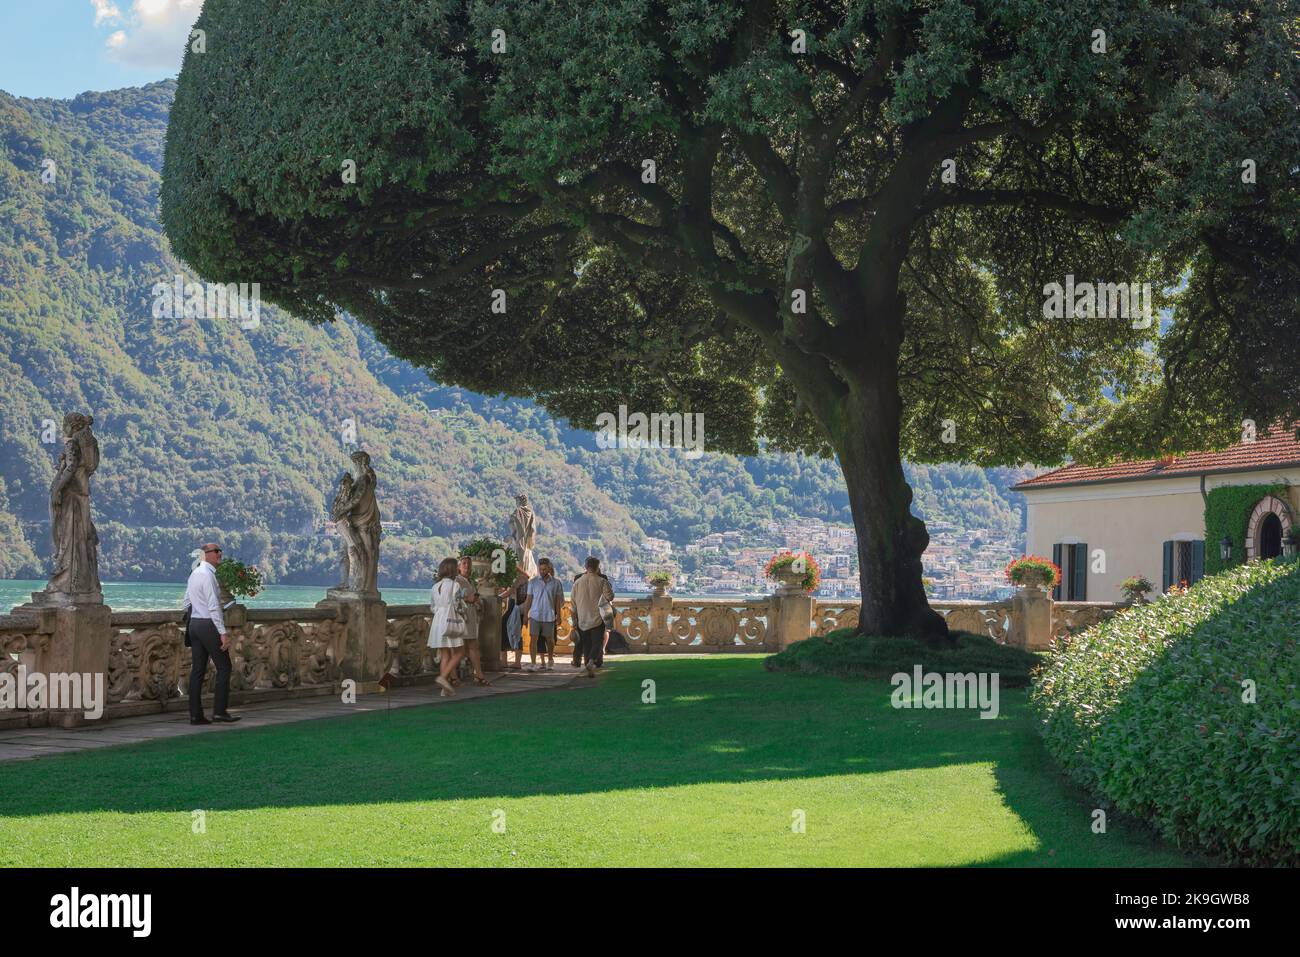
<point x="22" y="642"/>
<point x="349" y="644"/>
<point x="992" y="618"/>
<point x="1069" y="617"/>
<point x="271" y="650"/>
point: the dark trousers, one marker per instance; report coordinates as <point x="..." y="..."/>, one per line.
<point x="205" y="643"/>
<point x="590" y="645"/>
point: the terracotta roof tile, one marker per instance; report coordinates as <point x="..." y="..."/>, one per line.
<point x="1271" y="449"/>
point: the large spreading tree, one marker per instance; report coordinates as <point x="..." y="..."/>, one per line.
<point x="828" y="226"/>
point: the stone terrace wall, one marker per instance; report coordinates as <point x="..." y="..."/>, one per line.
<point x="284" y="652"/>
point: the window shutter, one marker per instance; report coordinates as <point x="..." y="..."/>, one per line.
<point x="1079" y="574"/>
<point x="1198" y="562"/>
<point x="1167" y="577"/>
<point x="1056" y="559"/>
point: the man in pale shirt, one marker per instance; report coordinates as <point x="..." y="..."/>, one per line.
<point x="207" y="638"/>
<point x="542" y="612"/>
<point x="589" y="590"/>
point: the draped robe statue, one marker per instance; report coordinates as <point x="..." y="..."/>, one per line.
<point x="523" y="535"/>
<point x="75" y="578"/>
<point x="356" y="516"/>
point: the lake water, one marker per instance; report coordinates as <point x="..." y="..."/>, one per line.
<point x="156" y="596"/>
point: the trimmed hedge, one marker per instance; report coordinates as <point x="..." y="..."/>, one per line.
<point x="1146" y="712"/>
<point x="1227" y="512"/>
<point x="846" y="654"/>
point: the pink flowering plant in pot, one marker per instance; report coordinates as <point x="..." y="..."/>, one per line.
<point x="794" y="570"/>
<point x="1033" y="571"/>
<point x="1135" y="589"/>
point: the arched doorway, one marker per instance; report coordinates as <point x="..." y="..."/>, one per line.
<point x="1268" y="525"/>
<point x="1270" y="537"/>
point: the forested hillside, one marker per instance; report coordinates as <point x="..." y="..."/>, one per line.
<point x="209" y="429"/>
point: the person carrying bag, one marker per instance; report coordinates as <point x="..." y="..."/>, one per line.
<point x="448" y="629"/>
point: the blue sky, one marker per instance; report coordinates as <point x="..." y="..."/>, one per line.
<point x="59" y="48"/>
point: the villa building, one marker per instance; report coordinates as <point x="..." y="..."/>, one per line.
<point x="1103" y="524"/>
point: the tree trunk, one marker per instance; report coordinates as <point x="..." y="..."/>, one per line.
<point x="890" y="538"/>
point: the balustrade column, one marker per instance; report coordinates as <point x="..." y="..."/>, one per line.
<point x="80" y="639"/>
<point x="794" y="616"/>
<point x="661" y="609"/>
<point x="1031" y="619"/>
<point x="365" y="629"/>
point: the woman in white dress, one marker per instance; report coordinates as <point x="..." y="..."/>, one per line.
<point x="447" y="632"/>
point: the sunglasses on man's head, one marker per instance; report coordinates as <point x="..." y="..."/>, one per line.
<point x="208" y="551"/>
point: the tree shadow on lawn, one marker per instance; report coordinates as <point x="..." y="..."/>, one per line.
<point x="716" y="720"/>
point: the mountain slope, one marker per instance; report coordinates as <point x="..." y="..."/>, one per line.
<point x="209" y="429"/>
<point x="205" y="424"/>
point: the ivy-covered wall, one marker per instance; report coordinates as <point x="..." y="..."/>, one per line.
<point x="1227" y="510"/>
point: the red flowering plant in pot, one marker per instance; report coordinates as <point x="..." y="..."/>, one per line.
<point x="796" y="571"/>
<point x="1033" y="571"/>
<point x="237" y="579"/>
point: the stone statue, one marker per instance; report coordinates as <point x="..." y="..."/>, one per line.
<point x="75" y="578"/>
<point x="356" y="516"/>
<point x="523" y="535"/>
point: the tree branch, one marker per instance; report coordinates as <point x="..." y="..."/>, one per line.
<point x="1015" y="197"/>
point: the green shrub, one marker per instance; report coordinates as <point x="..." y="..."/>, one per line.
<point x="849" y="655"/>
<point x="1146" y="712"/>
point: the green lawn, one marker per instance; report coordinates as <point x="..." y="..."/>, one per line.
<point x="712" y="774"/>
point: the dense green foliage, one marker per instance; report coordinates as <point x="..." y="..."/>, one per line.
<point x="214" y="432"/>
<point x="1227" y="512"/>
<point x="480" y="168"/>
<point x="848" y="655"/>
<point x="1227" y="204"/>
<point x="839" y="244"/>
<point x="528" y="161"/>
<point x="1150" y="711"/>
<point x="706" y="776"/>
<point x="17" y="557"/>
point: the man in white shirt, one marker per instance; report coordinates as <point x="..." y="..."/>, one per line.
<point x="207" y="638"/>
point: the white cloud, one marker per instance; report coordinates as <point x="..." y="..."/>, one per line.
<point x="106" y="11"/>
<point x="152" y="35"/>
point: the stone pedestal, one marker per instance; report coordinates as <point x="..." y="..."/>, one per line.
<point x="1031" y="619"/>
<point x="235" y="616"/>
<point x="365" y="625"/>
<point x="489" y="628"/>
<point x="58" y="599"/>
<point x="794" y="615"/>
<point x="661" y="607"/>
<point x="80" y="636"/>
